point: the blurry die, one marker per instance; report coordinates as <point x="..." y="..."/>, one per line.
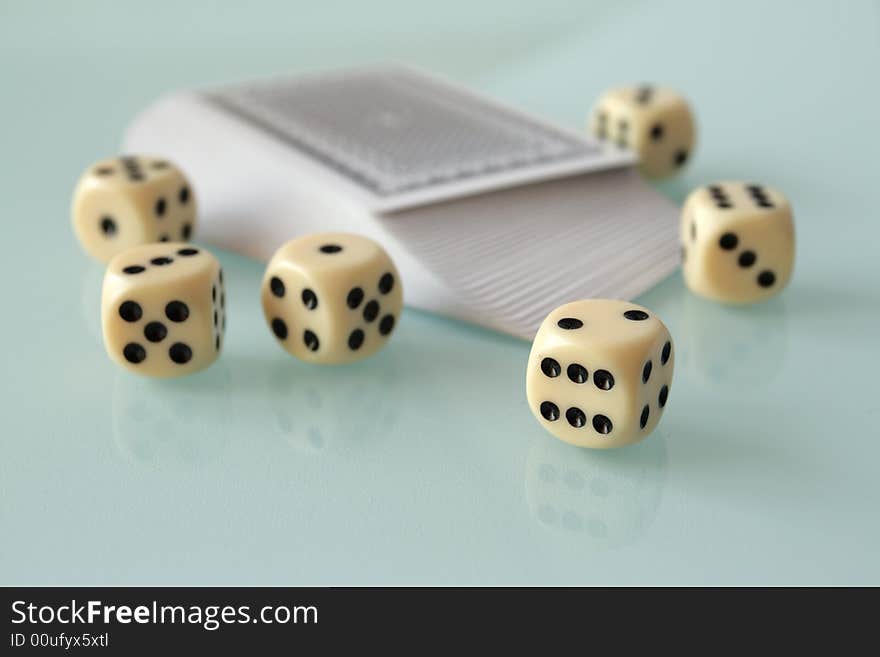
<point x="129" y="201"/>
<point x="163" y="309"/>
<point x="599" y="373"/>
<point x="737" y="242"/>
<point x="332" y="297"/>
<point x="655" y="122"/>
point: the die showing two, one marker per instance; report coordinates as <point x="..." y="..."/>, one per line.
<point x="655" y="122"/>
<point x="132" y="200"/>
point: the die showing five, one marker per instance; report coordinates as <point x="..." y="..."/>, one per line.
<point x="655" y="122"/>
<point x="132" y="200"/>
<point x="163" y="309"/>
<point x="737" y="242"/>
<point x="331" y="297"/>
<point x="599" y="373"/>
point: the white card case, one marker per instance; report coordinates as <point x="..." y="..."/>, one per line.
<point x="493" y="216"/>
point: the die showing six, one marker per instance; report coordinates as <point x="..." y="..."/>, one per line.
<point x="132" y="200"/>
<point x="331" y="297"/>
<point x="655" y="122"/>
<point x="600" y="372"/>
<point x="163" y="309"/>
<point x="737" y="242"/>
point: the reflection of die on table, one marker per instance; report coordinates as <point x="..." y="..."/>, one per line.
<point x="600" y="372"/>
<point x="163" y="309"/>
<point x="128" y="201"/>
<point x="601" y="499"/>
<point x="315" y="408"/>
<point x="737" y="242"/>
<point x="655" y="122"/>
<point x="332" y="297"/>
<point x="740" y="348"/>
<point x="163" y="424"/>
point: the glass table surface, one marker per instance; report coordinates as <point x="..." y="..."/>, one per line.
<point x="423" y="465"/>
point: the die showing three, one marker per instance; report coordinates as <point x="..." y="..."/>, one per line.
<point x="599" y="373"/>
<point x="132" y="200"/>
<point x="737" y="242"/>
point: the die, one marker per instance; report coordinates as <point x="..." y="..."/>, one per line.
<point x="132" y="200"/>
<point x="737" y="242"/>
<point x="599" y="373"/>
<point x="655" y="122"/>
<point x="331" y="297"/>
<point x="163" y="309"/>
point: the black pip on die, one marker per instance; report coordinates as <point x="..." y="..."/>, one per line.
<point x="163" y="309"/>
<point x="737" y="242"/>
<point x="600" y="372"/>
<point x="132" y="200"/>
<point x="332" y="297"/>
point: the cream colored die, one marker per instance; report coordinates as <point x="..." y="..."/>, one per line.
<point x="655" y="122"/>
<point x="163" y="309"/>
<point x="332" y="297"/>
<point x="737" y="242"/>
<point x="599" y="373"/>
<point x="124" y="202"/>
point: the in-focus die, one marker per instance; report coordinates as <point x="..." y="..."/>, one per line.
<point x="332" y="297"/>
<point x="655" y="122"/>
<point x="737" y="242"/>
<point x="132" y="200"/>
<point x="163" y="309"/>
<point x="600" y="372"/>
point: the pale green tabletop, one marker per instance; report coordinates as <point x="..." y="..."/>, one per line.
<point x="423" y="464"/>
